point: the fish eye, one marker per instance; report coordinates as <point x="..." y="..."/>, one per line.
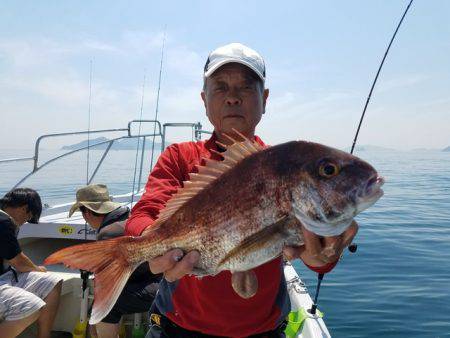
<point x="328" y="169"/>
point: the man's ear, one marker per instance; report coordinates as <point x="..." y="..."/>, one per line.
<point x="265" y="96"/>
<point x="24" y="208"/>
<point x="203" y="95"/>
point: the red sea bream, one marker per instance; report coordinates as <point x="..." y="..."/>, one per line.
<point x="238" y="214"/>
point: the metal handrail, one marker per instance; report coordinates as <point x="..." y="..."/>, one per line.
<point x="36" y="168"/>
<point x="40" y="138"/>
<point x="100" y="162"/>
<point x="160" y="132"/>
<point x="198" y="131"/>
<point x="35" y="158"/>
<point x="17" y="159"/>
<point x="141" y="121"/>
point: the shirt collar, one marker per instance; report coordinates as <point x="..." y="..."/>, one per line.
<point x="119" y="214"/>
<point x="211" y="143"/>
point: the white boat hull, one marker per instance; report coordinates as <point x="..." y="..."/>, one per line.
<point x="57" y="231"/>
<point x="313" y="326"/>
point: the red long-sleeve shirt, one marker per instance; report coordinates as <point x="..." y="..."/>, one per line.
<point x="208" y="305"/>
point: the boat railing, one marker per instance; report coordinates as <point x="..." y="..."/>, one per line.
<point x="159" y="131"/>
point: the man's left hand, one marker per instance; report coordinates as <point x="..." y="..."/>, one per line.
<point x="318" y="251"/>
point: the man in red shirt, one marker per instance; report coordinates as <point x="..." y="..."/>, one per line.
<point x="235" y="97"/>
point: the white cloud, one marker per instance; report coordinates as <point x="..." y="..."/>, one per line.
<point x="141" y="43"/>
<point x="28" y="53"/>
<point x="99" y="46"/>
<point x="290" y="104"/>
<point x="399" y="82"/>
<point x="45" y="90"/>
<point x="184" y="62"/>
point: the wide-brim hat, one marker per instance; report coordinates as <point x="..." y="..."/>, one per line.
<point x="235" y="53"/>
<point x="96" y="198"/>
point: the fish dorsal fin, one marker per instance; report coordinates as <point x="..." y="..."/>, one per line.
<point x="208" y="173"/>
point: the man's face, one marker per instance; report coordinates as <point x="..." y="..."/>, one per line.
<point x="234" y="98"/>
<point x="93" y="221"/>
<point x="23" y="215"/>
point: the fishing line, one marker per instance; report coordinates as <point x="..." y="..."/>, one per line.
<point x="88" y="135"/>
<point x="156" y="118"/>
<point x="89" y="121"/>
<point x="81" y="325"/>
<point x="353" y="247"/>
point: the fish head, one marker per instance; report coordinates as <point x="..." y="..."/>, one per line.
<point x="331" y="187"/>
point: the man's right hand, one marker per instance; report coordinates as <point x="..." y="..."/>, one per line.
<point x="41" y="268"/>
<point x="24" y="264"/>
<point x="174" y="264"/>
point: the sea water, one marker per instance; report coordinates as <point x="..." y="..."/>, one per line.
<point x="397" y="284"/>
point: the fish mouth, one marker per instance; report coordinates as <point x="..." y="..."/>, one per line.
<point x="373" y="187"/>
<point x="371" y="193"/>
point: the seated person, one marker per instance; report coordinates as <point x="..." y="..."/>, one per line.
<point x="27" y="292"/>
<point x="109" y="219"/>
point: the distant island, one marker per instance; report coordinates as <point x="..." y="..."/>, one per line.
<point x="131" y="144"/>
<point x="368" y="147"/>
<point x="423" y="149"/>
<point x="123" y="144"/>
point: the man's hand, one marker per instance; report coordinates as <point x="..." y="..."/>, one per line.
<point x="173" y="264"/>
<point x="42" y="268"/>
<point x="24" y="264"/>
<point x="319" y="251"/>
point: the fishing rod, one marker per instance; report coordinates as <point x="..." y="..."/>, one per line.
<point x="353" y="247"/>
<point x="157" y="95"/>
<point x="139" y="139"/>
<point x="81" y="325"/>
<point x="89" y="121"/>
<point x="88" y="133"/>
<point x="138" y="329"/>
<point x="376" y="76"/>
<point x="154" y="127"/>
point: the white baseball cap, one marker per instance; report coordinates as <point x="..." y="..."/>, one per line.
<point x="235" y="53"/>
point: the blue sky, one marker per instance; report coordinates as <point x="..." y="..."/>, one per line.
<point x="321" y="57"/>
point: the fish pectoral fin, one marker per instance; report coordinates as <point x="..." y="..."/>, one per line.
<point x="244" y="283"/>
<point x="261" y="239"/>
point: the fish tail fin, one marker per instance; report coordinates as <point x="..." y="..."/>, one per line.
<point x="110" y="263"/>
<point x="108" y="284"/>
